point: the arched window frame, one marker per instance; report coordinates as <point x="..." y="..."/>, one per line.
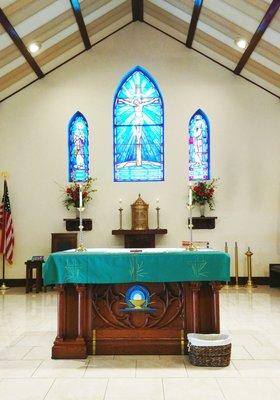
<point x="116" y="96"/>
<point x="71" y="170"/>
<point x="202" y="114"/>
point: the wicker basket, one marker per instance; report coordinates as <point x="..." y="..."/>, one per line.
<point x="209" y="350"/>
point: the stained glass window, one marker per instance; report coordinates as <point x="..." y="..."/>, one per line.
<point x="78" y="148"/>
<point x="199" y="147"/>
<point x="138" y="129"/>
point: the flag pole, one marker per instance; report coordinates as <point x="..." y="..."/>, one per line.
<point x="3" y="286"/>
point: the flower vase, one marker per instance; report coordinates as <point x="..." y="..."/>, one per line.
<point x="202" y="210"/>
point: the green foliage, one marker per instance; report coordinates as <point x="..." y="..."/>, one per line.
<point x="203" y="192"/>
<point x="71" y="193"/>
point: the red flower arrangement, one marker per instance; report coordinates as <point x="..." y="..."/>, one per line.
<point x="203" y="192"/>
<point x="72" y="193"/>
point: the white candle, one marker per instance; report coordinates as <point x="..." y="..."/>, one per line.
<point x="80" y="197"/>
<point x="120" y="202"/>
<point x="190" y="195"/>
<point x="157" y="202"/>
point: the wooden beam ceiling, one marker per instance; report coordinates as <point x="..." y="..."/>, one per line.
<point x="19" y="43"/>
<point x="272" y="10"/>
<point x="137" y="10"/>
<point x="194" y="20"/>
<point x="81" y="23"/>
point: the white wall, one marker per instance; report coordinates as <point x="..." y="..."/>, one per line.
<point x="245" y="137"/>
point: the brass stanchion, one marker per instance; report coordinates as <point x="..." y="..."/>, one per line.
<point x="249" y="283"/>
<point x="236" y="266"/>
<point x="157" y="209"/>
<point x="226" y="251"/>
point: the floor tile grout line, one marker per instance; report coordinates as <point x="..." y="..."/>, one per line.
<point x="274" y="384"/>
<point x="25" y="354"/>
<point x="234" y="366"/>
<point x="220" y="387"/>
<point x="105" y="393"/>
<point x="54" y="379"/>
<point x="41" y="362"/>
<point x="162" y="384"/>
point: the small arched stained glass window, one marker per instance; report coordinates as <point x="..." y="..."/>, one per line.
<point x="78" y="152"/>
<point x="138" y="129"/>
<point x="199" y="147"/>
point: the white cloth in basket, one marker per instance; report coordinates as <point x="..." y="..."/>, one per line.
<point x="215" y="339"/>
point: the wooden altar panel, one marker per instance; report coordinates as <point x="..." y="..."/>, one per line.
<point x="91" y="319"/>
<point x="138" y="332"/>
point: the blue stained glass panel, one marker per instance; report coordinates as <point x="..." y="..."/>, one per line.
<point x="199" y="147"/>
<point x="78" y="151"/>
<point x="138" y="129"/>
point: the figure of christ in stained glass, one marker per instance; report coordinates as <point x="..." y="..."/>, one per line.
<point x="78" y="148"/>
<point x="138" y="129"/>
<point x="199" y="147"/>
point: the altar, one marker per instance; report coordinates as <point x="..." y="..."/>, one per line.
<point x="121" y="301"/>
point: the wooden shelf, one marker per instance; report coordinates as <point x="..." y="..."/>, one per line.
<point x="203" y="222"/>
<point x="72" y="224"/>
<point x="139" y="231"/>
<point x="134" y="238"/>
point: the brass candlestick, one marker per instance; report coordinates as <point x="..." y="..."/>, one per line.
<point x="120" y="210"/>
<point x="157" y="216"/>
<point x="226" y="251"/>
<point x="81" y="209"/>
<point x="191" y="246"/>
<point x="236" y="265"/>
<point x="249" y="283"/>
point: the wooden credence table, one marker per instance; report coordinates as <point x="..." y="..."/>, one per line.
<point x="121" y="302"/>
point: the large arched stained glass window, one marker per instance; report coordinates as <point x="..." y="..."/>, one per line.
<point x="138" y="129"/>
<point x="78" y="148"/>
<point x="199" y="147"/>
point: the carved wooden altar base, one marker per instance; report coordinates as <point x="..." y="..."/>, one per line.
<point x="92" y="319"/>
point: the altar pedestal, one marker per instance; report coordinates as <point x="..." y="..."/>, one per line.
<point x="94" y="312"/>
<point x="92" y="319"/>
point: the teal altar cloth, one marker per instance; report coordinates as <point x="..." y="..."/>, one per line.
<point x="97" y="266"/>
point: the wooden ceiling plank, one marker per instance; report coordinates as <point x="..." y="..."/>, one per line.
<point x="167" y="18"/>
<point x="217" y="46"/>
<point x="19" y="43"/>
<point x="112" y="16"/>
<point x="20" y="10"/>
<point x="194" y="20"/>
<point x="81" y="23"/>
<point x="74" y="39"/>
<point x="137" y="10"/>
<point x="40" y="35"/>
<point x="272" y="10"/>
<point x="59" y="48"/>
<point x="234" y="31"/>
<point x="12" y="77"/>
<point x="88" y="6"/>
<point x="263" y="72"/>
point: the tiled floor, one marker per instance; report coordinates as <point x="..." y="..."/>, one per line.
<point x="27" y="330"/>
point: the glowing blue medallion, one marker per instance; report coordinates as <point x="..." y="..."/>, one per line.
<point x="137" y="298"/>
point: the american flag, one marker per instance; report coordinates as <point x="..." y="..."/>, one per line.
<point x="6" y="224"/>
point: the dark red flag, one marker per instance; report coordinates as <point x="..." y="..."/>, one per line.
<point x="6" y="224"/>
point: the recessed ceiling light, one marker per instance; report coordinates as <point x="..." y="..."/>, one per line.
<point x="34" y="47"/>
<point x="242" y="43"/>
